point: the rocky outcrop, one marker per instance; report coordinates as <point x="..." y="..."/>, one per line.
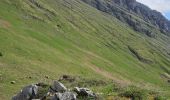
<point x="152" y="16"/>
<point x="125" y="10"/>
<point x="57" y="91"/>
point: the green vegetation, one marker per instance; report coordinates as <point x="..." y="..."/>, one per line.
<point x="135" y="93"/>
<point x="56" y="37"/>
<point x="1" y="54"/>
<point x="160" y="98"/>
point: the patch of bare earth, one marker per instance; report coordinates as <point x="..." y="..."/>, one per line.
<point x="4" y="24"/>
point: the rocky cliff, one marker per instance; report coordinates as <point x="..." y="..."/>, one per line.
<point x="135" y="14"/>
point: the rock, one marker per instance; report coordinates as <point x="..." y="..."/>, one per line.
<point x="27" y="93"/>
<point x="150" y="34"/>
<point x="57" y="96"/>
<point x="84" y="92"/>
<point x="13" y="82"/>
<point x="36" y="99"/>
<point x="64" y="96"/>
<point x="57" y="92"/>
<point x="68" y="96"/>
<point x="57" y="87"/>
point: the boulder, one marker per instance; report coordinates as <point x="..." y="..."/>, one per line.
<point x="57" y="87"/>
<point x="27" y="93"/>
<point x="57" y="96"/>
<point x="68" y="96"/>
<point x="85" y="92"/>
<point x="64" y="96"/>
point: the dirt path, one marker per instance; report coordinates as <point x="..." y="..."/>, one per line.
<point x="108" y="75"/>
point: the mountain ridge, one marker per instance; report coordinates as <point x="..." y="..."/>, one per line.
<point x="138" y="9"/>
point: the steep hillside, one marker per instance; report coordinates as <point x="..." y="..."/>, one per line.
<point x="41" y="38"/>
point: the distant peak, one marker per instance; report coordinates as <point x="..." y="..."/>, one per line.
<point x="152" y="17"/>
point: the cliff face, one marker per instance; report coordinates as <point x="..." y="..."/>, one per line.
<point x="125" y="10"/>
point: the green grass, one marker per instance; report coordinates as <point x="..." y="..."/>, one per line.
<point x="58" y="38"/>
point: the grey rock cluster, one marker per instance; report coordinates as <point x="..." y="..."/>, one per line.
<point x="57" y="91"/>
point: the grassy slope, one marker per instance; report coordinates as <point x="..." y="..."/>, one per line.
<point x="50" y="39"/>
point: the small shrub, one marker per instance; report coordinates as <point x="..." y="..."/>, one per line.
<point x="160" y="98"/>
<point x="43" y="89"/>
<point x="135" y="93"/>
<point x="67" y="78"/>
<point x="1" y="54"/>
<point x="94" y="82"/>
<point x="117" y="88"/>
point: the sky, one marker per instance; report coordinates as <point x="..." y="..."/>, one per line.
<point x="162" y="6"/>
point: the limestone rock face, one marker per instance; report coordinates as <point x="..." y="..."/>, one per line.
<point x="124" y="10"/>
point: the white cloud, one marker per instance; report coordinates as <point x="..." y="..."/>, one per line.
<point x="162" y="6"/>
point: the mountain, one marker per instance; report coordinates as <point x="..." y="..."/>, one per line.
<point x="131" y="12"/>
<point x="110" y="46"/>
